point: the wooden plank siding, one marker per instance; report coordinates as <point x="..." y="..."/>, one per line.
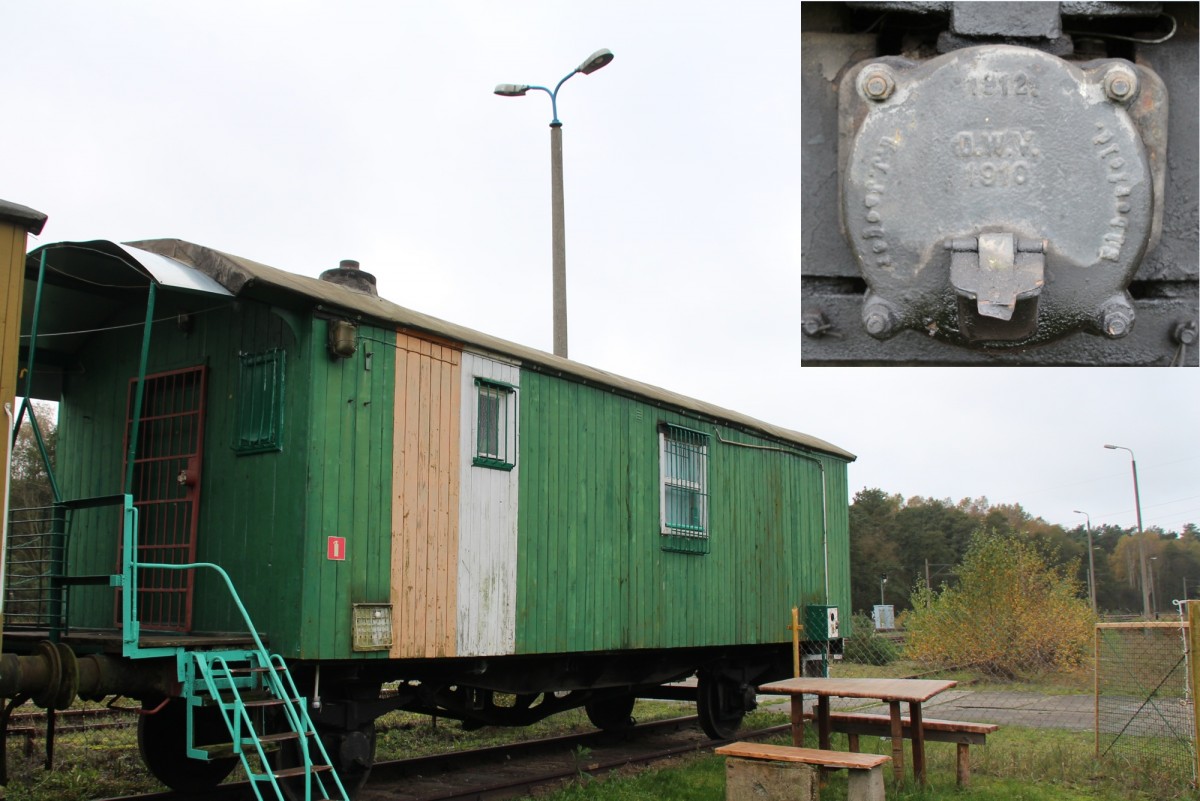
<point x="249" y="520"/>
<point x="425" y="488"/>
<point x="348" y="489"/>
<point x="487" y="537"/>
<point x="592" y="574"/>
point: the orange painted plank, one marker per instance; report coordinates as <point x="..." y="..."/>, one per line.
<point x="807" y="756"/>
<point x="448" y="542"/>
<point x="426" y="484"/>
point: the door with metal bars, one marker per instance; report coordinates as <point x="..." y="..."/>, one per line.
<point x="169" y="441"/>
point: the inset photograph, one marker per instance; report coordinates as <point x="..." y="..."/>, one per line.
<point x="999" y="183"/>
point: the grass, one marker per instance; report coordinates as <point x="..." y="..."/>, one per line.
<point x="106" y="762"/>
<point x="1017" y="763"/>
<point x="1001" y="771"/>
<point x="403" y="734"/>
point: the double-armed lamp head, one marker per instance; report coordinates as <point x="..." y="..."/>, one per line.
<point x="592" y="63"/>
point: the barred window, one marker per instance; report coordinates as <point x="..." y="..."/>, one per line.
<point x="683" y="470"/>
<point x="260" y="402"/>
<point x="495" y="425"/>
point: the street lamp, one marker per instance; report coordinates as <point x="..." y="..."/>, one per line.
<point x="1137" y="500"/>
<point x="882" y="581"/>
<point x="557" y="225"/>
<point x="1091" y="561"/>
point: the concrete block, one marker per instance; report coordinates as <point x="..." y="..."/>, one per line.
<point x="758" y="780"/>
<point x="866" y="785"/>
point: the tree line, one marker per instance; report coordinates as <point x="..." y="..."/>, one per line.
<point x="909" y="541"/>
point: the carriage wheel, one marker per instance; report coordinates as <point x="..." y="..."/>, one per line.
<point x="720" y="705"/>
<point x="611" y="714"/>
<point x="162" y="741"/>
<point x="352" y="752"/>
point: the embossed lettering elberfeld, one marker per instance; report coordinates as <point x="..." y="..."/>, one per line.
<point x="876" y="185"/>
<point x="1110" y="155"/>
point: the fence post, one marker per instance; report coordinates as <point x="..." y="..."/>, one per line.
<point x="796" y="629"/>
<point x="1193" y="678"/>
<point x="1096" y="687"/>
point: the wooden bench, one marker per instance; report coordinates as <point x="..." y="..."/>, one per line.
<point x="945" y="731"/>
<point x="866" y="773"/>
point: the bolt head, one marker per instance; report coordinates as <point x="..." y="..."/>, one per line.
<point x="877" y="323"/>
<point x="1185" y="333"/>
<point x="1117" y="321"/>
<point x="1120" y="84"/>
<point x="877" y="83"/>
<point x="814" y="324"/>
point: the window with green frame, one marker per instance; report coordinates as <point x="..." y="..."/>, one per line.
<point x="260" y="402"/>
<point x="495" y="424"/>
<point x="683" y="488"/>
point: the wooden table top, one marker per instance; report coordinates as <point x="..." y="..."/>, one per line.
<point x="884" y="689"/>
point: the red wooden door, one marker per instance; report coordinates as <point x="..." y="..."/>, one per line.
<point x="166" y="492"/>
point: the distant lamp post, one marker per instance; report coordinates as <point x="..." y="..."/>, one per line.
<point x="557" y="224"/>
<point x="882" y="582"/>
<point x="1137" y="500"/>
<point x="1091" y="561"/>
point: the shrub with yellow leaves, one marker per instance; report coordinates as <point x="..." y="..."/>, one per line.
<point x="1010" y="614"/>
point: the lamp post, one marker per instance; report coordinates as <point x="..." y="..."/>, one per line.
<point x="557" y="223"/>
<point x="1137" y="500"/>
<point x="1091" y="561"/>
<point x="882" y="581"/>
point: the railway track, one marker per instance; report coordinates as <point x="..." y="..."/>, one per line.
<point x="512" y="770"/>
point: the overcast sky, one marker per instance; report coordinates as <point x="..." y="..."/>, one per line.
<point x="301" y="133"/>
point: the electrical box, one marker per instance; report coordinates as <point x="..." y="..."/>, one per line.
<point x="372" y="627"/>
<point x="884" y="616"/>
<point x="821" y="623"/>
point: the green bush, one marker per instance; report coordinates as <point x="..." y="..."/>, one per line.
<point x="866" y="647"/>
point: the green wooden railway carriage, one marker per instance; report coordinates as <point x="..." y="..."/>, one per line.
<point x="398" y="499"/>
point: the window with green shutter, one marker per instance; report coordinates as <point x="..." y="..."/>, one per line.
<point x="260" y="402"/>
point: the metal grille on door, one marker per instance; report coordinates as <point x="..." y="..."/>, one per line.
<point x="166" y="492"/>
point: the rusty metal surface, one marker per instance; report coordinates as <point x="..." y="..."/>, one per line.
<point x="1152" y="342"/>
<point x="1174" y="259"/>
<point x="1069" y="9"/>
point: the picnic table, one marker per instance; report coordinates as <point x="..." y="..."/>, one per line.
<point x="891" y="691"/>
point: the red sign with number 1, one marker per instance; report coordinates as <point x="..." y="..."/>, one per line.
<point x="337" y="549"/>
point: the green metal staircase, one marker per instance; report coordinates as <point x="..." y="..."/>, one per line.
<point x="250" y="687"/>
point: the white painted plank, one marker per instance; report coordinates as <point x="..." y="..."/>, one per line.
<point x="487" y="542"/>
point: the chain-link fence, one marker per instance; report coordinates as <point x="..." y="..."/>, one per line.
<point x="1144" y="713"/>
<point x="1125" y="684"/>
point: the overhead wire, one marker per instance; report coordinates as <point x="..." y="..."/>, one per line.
<point x="1137" y="39"/>
<point x="137" y="324"/>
